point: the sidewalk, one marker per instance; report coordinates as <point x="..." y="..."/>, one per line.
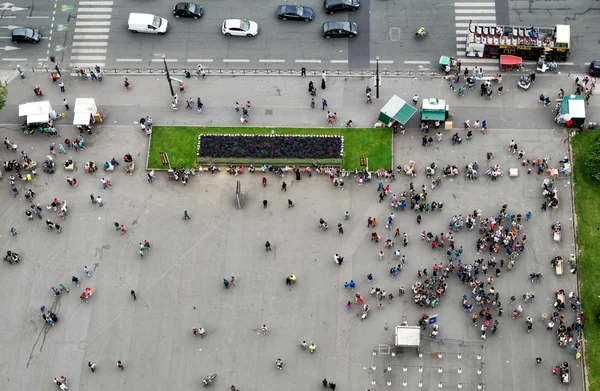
<point x="284" y="101"/>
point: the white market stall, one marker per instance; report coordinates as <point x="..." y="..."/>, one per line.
<point x="37" y="112"/>
<point x="86" y="112"/>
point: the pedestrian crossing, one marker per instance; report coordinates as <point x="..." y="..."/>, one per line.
<point x="483" y="13"/>
<point x="92" y="28"/>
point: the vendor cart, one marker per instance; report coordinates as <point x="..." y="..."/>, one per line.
<point x="572" y="111"/>
<point x="86" y="112"/>
<point x="435" y="110"/>
<point x="37" y="112"/>
<point x="448" y="61"/>
<point x="508" y="62"/>
<point x="396" y="110"/>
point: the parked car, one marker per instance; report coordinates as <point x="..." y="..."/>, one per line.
<point x="240" y="28"/>
<point x="340" y="29"/>
<point x="333" y="6"/>
<point x="188" y="10"/>
<point x="595" y="68"/>
<point x="295" y="12"/>
<point x="24" y="34"/>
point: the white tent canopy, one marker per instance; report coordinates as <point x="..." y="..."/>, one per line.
<point x="85" y="108"/>
<point x="36" y="112"/>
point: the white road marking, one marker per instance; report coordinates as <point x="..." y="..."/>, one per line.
<point x="90" y="58"/>
<point x="474" y="18"/>
<point x="271" y="61"/>
<point x="104" y="10"/>
<point x="128" y="60"/>
<point x="462" y="32"/>
<point x="94" y="16"/>
<point x="84" y="23"/>
<point x="478" y="24"/>
<point x="100" y="3"/>
<point x="339" y="61"/>
<point x="90" y="43"/>
<point x="200" y="60"/>
<point x="89" y="51"/>
<point x="417" y="62"/>
<point x="235" y="60"/>
<point x="37" y="17"/>
<point x="382" y="61"/>
<point x="461" y="46"/>
<point x="307" y="61"/>
<point x="83" y="37"/>
<point x="166" y="59"/>
<point x="481" y="4"/>
<point x="14" y="59"/>
<point x="468" y="11"/>
<point x="8" y="17"/>
<point x="87" y="64"/>
<point x="43" y="59"/>
<point x="92" y="30"/>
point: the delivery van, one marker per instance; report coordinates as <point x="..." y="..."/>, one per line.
<point x="147" y="23"/>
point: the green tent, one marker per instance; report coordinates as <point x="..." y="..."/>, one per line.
<point x="396" y="109"/>
<point x="434" y="109"/>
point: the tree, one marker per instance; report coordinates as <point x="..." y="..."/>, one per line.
<point x="3" y="94"/>
<point x="592" y="165"/>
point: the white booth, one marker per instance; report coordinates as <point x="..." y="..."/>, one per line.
<point x="86" y="112"/>
<point x="37" y="112"/>
<point x="408" y="337"/>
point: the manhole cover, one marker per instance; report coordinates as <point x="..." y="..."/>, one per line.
<point x="394" y="34"/>
<point x="268" y="112"/>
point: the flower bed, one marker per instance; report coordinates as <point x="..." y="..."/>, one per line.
<point x="218" y="146"/>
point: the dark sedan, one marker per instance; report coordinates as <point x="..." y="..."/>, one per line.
<point x="188" y="10"/>
<point x="340" y="29"/>
<point x="595" y="68"/>
<point x="295" y="12"/>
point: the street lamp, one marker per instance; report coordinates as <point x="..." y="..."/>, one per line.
<point x="377" y="78"/>
<point x="168" y="75"/>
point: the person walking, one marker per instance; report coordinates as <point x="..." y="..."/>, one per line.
<point x="323" y="80"/>
<point x="92" y="366"/>
<point x="66" y="103"/>
<point x="93" y="75"/>
<point x="142" y="254"/>
<point x="290" y="203"/>
<point x="186" y="216"/>
<point x="324" y="383"/>
<point x="93" y="198"/>
<point x="61" y="85"/>
<point x="133" y="295"/>
<point x="416" y="99"/>
<point x="123" y="229"/>
<point x="312" y="348"/>
<point x="201" y="106"/>
<point x="267" y="246"/>
<point x="264" y="181"/>
<point x="120" y="365"/>
<point x="86" y="270"/>
<point x="369" y="99"/>
<point x="340" y="228"/>
<point x="188" y="103"/>
<point x="284" y="186"/>
<point x="324" y="103"/>
<point x="99" y="201"/>
<point x="14" y="233"/>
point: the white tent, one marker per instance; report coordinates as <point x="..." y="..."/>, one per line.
<point x="37" y="112"/>
<point x="85" y="108"/>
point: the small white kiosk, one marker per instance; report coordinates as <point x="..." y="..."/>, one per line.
<point x="86" y="112"/>
<point x="408" y="337"/>
<point x="37" y="112"/>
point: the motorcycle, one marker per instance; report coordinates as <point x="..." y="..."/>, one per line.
<point x="279" y="363"/>
<point x="456" y="139"/>
<point x="421" y="33"/>
<point x="209" y="379"/>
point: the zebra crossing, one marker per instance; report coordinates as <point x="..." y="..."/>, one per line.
<point x="92" y="28"/>
<point x="483" y="13"/>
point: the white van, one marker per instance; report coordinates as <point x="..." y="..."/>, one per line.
<point x="147" y="23"/>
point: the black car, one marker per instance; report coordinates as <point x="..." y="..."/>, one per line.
<point x="188" y="10"/>
<point x="340" y="29"/>
<point x="26" y="35"/>
<point x="333" y="6"/>
<point x="295" y="12"/>
<point x="595" y="68"/>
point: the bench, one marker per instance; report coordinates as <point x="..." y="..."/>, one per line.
<point x="513" y="172"/>
<point x="559" y="269"/>
<point x="164" y="158"/>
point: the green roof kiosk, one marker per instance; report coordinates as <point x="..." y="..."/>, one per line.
<point x="434" y="109"/>
<point x="396" y="109"/>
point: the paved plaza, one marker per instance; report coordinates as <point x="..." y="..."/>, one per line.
<point x="179" y="281"/>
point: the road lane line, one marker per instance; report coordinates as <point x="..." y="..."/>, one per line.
<point x="382" y="61"/>
<point x="308" y="61"/>
<point x="37" y="17"/>
<point x="235" y="60"/>
<point x="271" y="61"/>
<point x="339" y="61"/>
<point x="90" y="58"/>
<point x="200" y="60"/>
<point x="90" y="43"/>
<point x="84" y="23"/>
<point x="128" y="60"/>
<point x="99" y="10"/>
<point x="478" y="60"/>
<point x="463" y="25"/>
<point x="100" y="3"/>
<point x="83" y="37"/>
<point x="475" y="18"/>
<point x="166" y="59"/>
<point x="92" y="30"/>
<point x="89" y="51"/>
<point x="480" y="4"/>
<point x="93" y="16"/>
<point x="14" y="59"/>
<point x="417" y="62"/>
<point x="467" y="11"/>
<point x="87" y="64"/>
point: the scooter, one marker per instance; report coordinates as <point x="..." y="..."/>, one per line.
<point x="456" y="139"/>
<point x="209" y="379"/>
<point x="421" y="33"/>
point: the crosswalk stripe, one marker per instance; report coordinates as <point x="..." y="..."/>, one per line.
<point x="94" y="16"/>
<point x="475" y="17"/>
<point x="98" y="10"/>
<point x="463" y="25"/>
<point x="461" y="46"/>
<point x="486" y="4"/>
<point x="83" y="37"/>
<point x="91" y="58"/>
<point x="100" y="3"/>
<point x="87" y="64"/>
<point x="90" y="43"/>
<point x="470" y="11"/>
<point x="89" y="51"/>
<point x="85" y="23"/>
<point x="91" y="30"/>
<point x="462" y="32"/>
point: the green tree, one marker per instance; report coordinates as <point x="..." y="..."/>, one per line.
<point x="592" y="165"/>
<point x="3" y="94"/>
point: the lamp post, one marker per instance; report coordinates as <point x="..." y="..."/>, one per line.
<point x="377" y="78"/>
<point x="168" y="75"/>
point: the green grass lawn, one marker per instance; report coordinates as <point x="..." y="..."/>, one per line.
<point x="181" y="142"/>
<point x="587" y="197"/>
